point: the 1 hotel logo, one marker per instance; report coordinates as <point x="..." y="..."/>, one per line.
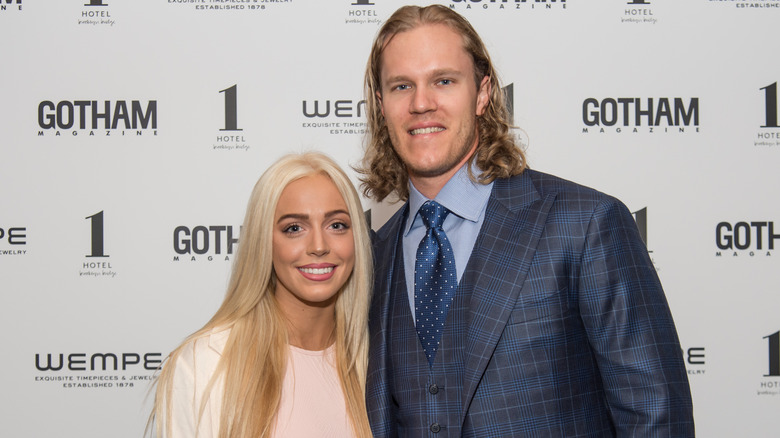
<point x="771" y="387"/>
<point x="96" y="12"/>
<point x="638" y="12"/>
<point x="233" y="137"/>
<point x="97" y="263"/>
<point x="769" y="135"/>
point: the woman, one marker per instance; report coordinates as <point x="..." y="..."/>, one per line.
<point x="285" y="354"/>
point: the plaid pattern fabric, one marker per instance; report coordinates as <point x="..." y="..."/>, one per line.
<point x="569" y="333"/>
<point x="418" y="386"/>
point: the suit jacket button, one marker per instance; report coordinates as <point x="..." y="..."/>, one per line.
<point x="433" y="389"/>
<point x="435" y="428"/>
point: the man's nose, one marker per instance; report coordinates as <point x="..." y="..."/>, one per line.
<point x="423" y="100"/>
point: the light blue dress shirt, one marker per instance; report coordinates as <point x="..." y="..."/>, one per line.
<point x="467" y="201"/>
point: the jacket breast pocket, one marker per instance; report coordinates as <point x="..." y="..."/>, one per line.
<point x="551" y="307"/>
<point x="540" y="329"/>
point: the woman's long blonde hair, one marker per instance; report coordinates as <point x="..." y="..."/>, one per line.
<point x="254" y="360"/>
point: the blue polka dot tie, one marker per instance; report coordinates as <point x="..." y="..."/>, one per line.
<point x="435" y="279"/>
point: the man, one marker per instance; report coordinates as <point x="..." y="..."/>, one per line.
<point x="553" y="322"/>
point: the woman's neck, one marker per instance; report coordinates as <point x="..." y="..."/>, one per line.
<point x="314" y="341"/>
<point x="311" y="329"/>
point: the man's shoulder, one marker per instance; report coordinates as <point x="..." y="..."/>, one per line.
<point x="395" y="221"/>
<point x="567" y="197"/>
<point x="547" y="185"/>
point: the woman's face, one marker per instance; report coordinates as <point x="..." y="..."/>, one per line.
<point x="313" y="245"/>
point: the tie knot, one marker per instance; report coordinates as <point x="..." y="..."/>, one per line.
<point x="433" y="214"/>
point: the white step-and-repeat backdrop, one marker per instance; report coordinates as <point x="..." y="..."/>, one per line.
<point x="131" y="133"/>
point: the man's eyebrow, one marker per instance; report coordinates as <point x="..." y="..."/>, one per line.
<point x="446" y="72"/>
<point x="397" y="78"/>
<point x="433" y="73"/>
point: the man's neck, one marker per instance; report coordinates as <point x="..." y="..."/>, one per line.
<point x="430" y="186"/>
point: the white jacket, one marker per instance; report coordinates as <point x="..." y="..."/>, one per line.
<point x="193" y="370"/>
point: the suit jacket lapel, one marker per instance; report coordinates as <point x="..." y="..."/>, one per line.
<point x="502" y="256"/>
<point x="378" y="396"/>
<point x="385" y="248"/>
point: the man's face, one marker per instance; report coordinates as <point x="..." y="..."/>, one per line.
<point x="430" y="102"/>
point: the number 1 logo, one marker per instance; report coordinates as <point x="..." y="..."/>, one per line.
<point x="231" y="109"/>
<point x="770" y="92"/>
<point x="774" y="354"/>
<point x="97" y="235"/>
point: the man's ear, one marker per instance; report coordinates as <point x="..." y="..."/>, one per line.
<point x="483" y="95"/>
<point x="379" y="99"/>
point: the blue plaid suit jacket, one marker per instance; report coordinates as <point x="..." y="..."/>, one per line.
<point x="569" y="333"/>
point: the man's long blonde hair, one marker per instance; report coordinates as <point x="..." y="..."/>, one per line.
<point x="497" y="154"/>
<point x="254" y="360"/>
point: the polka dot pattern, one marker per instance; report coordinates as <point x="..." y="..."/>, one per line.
<point x="435" y="279"/>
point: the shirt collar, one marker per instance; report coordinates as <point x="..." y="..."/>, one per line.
<point x="461" y="196"/>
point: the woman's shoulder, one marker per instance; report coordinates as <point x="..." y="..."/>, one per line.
<point x="194" y="367"/>
<point x="203" y="351"/>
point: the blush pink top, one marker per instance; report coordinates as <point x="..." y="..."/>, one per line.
<point x="312" y="402"/>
